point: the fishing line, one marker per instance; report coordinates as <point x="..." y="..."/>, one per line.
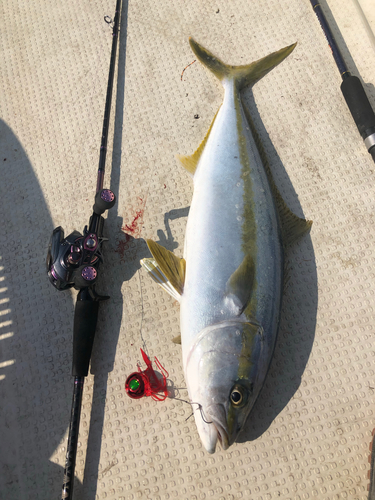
<point x="365" y="22"/>
<point x="186" y="67"/>
<point x="142" y="314"/>
<point x="191" y="404"/>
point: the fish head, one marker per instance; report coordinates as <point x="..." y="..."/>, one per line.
<point x="224" y="373"/>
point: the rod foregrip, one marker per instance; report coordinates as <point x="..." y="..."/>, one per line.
<point x="360" y="109"/>
<point x="85" y="320"/>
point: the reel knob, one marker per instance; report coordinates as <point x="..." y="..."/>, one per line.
<point x="104" y="200"/>
<point x="85" y="276"/>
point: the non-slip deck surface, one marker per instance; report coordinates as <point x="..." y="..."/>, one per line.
<point x="309" y="433"/>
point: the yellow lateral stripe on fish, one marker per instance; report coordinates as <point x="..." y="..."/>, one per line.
<point x="233" y="260"/>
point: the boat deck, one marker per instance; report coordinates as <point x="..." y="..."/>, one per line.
<point x="309" y="433"/>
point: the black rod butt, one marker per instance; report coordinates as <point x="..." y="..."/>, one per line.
<point x="85" y="320"/>
<point x="361" y="110"/>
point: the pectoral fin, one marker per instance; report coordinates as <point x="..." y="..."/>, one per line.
<point x="171" y="266"/>
<point x="240" y="284"/>
<point x="152" y="268"/>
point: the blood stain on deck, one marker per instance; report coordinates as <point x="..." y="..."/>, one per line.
<point x="131" y="230"/>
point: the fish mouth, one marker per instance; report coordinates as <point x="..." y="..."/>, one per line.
<point x="213" y="427"/>
<point x="210" y="441"/>
<point x="217" y="416"/>
<point x="222" y="436"/>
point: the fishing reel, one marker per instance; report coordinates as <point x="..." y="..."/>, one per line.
<point x="73" y="261"/>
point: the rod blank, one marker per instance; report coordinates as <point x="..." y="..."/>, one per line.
<point x="351" y="87"/>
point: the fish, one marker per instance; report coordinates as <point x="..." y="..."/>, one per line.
<point x="230" y="280"/>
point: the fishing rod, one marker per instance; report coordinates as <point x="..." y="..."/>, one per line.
<point x="74" y="262"/>
<point x="351" y="87"/>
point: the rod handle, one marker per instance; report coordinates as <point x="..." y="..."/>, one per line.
<point x="85" y="320"/>
<point x="361" y="110"/>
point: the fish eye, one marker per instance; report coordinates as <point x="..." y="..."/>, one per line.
<point x="237" y="396"/>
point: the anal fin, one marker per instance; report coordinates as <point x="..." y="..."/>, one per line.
<point x="292" y="226"/>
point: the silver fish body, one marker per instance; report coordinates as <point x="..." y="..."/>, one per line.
<point x="232" y="200"/>
<point x="231" y="277"/>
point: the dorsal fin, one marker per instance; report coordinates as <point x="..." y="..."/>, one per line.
<point x="190" y="162"/>
<point x="171" y="266"/>
<point x="292" y="226"/>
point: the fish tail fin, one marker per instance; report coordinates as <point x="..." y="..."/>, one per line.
<point x="242" y="75"/>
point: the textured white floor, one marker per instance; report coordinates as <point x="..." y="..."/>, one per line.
<point x="308" y="436"/>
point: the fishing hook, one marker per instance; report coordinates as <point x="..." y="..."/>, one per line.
<point x="202" y="414"/>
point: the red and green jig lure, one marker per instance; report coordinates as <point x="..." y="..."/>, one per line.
<point x="147" y="382"/>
